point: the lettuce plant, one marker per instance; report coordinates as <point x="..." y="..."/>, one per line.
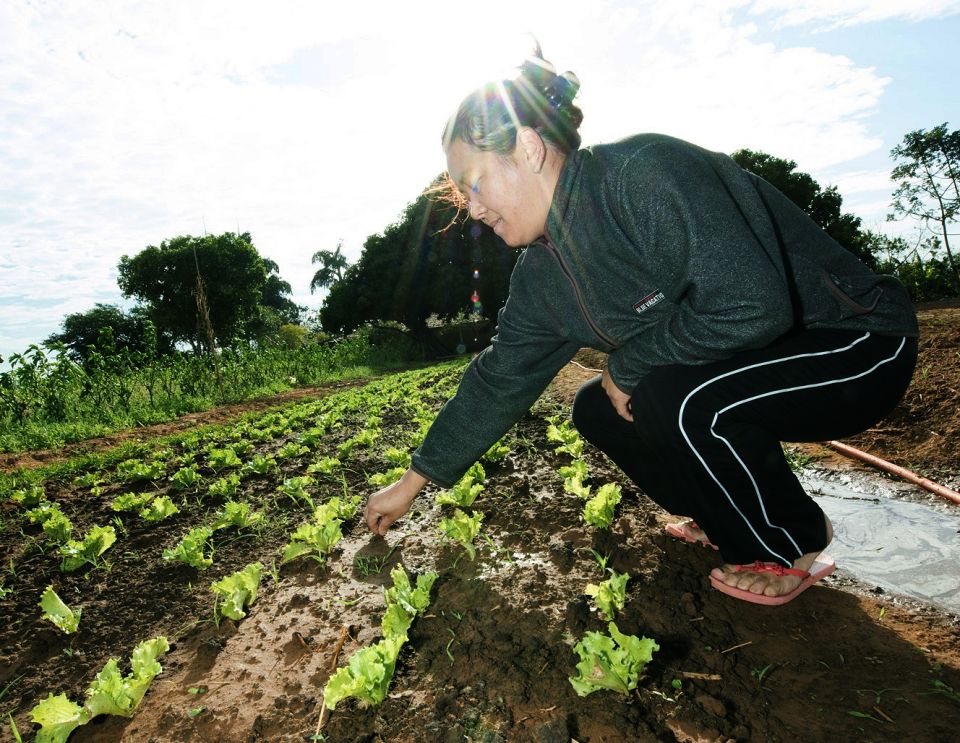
<point x="237" y="591"/>
<point x="225" y="487"/>
<point x="313" y="538"/>
<point x="130" y="501"/>
<point x="219" y="459"/>
<point x="160" y="508"/>
<point x="614" y="661"/>
<point x="466" y="490"/>
<point x="463" y="529"/>
<point x="191" y="549"/>
<point x="337" y="508"/>
<point x="497" y="452"/>
<point x="367" y="675"/>
<point x="57" y="612"/>
<point x="238" y="514"/>
<point x="609" y="595"/>
<point x="397" y="457"/>
<point x="382" y="479"/>
<point x="598" y="511"/>
<point x="261" y="465"/>
<point x="56" y="525"/>
<point x="185" y="478"/>
<point x="58" y="717"/>
<point x="324" y="466"/>
<point x="134" y="470"/>
<point x="77" y="553"/>
<point x="412" y="600"/>
<point x="295" y="488"/>
<point x="291" y="450"/>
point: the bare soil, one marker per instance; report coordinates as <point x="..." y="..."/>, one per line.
<point x="490" y="660"/>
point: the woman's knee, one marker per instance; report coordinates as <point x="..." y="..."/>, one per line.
<point x="591" y="409"/>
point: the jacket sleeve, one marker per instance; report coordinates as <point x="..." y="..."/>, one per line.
<point x="698" y="216"/>
<point x="497" y="388"/>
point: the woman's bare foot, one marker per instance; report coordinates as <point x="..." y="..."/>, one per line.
<point x="769" y="583"/>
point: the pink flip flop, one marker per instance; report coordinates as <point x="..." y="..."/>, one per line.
<point x="823" y="566"/>
<point x="682" y="530"/>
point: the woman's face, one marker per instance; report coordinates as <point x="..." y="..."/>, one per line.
<point x="502" y="191"/>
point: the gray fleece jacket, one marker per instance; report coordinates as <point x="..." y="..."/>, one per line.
<point x="656" y="252"/>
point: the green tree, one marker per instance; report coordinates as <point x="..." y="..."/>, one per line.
<point x="428" y="263"/>
<point x="927" y="168"/>
<point x="822" y="205"/>
<point x="332" y="266"/>
<point x="164" y="279"/>
<point x="81" y="331"/>
<point x="920" y="267"/>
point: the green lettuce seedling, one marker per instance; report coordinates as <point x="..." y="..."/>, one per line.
<point x="186" y="478"/>
<point x="613" y="661"/>
<point x="58" y="717"/>
<point x="238" y="514"/>
<point x="295" y="488"/>
<point x="130" y="501"/>
<point x="465" y="492"/>
<point x="575" y="486"/>
<point x="95" y="542"/>
<point x="222" y="459"/>
<point x="324" y="466"/>
<point x="577" y="468"/>
<point x="57" y="612"/>
<point x="367" y="675"/>
<point x="133" y="470"/>
<point x="261" y="465"/>
<point x="337" y="508"/>
<point x="190" y="549"/>
<point x="113" y="694"/>
<point x="609" y="595"/>
<point x="30" y="496"/>
<point x="237" y="591"/>
<point x="598" y="511"/>
<point x="397" y="457"/>
<point x="225" y="487"/>
<point x="497" y="452"/>
<point x="412" y="600"/>
<point x="382" y="479"/>
<point x="311" y="538"/>
<point x="291" y="450"/>
<point x="159" y="509"/>
<point x="463" y="529"/>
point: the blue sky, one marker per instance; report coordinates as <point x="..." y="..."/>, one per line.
<point x="123" y="124"/>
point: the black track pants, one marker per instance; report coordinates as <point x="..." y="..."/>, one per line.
<point x="705" y="441"/>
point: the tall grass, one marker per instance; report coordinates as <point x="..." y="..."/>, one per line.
<point x="47" y="400"/>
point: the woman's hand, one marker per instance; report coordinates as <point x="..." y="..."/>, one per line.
<point x="618" y="398"/>
<point x="387" y="505"/>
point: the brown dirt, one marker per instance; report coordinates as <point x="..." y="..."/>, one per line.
<point x="490" y="660"/>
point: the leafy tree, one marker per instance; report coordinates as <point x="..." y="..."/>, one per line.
<point x="422" y="265"/>
<point x="925" y="274"/>
<point x="332" y="266"/>
<point x="81" y="331"/>
<point x="236" y="282"/>
<point x="927" y="170"/>
<point x="823" y="205"/>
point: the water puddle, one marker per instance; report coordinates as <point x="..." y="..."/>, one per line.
<point x="891" y="534"/>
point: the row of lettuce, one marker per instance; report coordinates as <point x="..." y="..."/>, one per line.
<point x="214" y="464"/>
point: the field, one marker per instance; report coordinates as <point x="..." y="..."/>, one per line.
<point x="490" y="657"/>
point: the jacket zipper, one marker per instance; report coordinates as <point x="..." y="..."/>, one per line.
<point x="552" y="249"/>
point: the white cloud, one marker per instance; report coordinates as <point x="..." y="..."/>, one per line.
<point x="829" y="14"/>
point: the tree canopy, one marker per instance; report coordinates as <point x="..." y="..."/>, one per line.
<point x="241" y="288"/>
<point x="332" y="266"/>
<point x="429" y="262"/>
<point x="927" y="171"/>
<point x="822" y="205"/>
<point x="82" y="330"/>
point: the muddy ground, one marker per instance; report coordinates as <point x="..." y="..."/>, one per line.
<point x="490" y="660"/>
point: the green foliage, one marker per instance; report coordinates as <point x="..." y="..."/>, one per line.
<point x="332" y="265"/>
<point x="57" y="612"/>
<point x="134" y="470"/>
<point x="295" y="488"/>
<point x="598" y="511"/>
<point x="160" y="508"/>
<point x="463" y="529"/>
<point x="192" y="549"/>
<point x="114" y="694"/>
<point x="58" y="717"/>
<point x="614" y="661"/>
<point x="576" y="469"/>
<point x="609" y="595"/>
<point x="291" y="450"/>
<point x="412" y="600"/>
<point x="367" y="675"/>
<point x="132" y="333"/>
<point x="324" y="466"/>
<point x="497" y="452"/>
<point x="313" y="539"/>
<point x="87" y="551"/>
<point x="397" y="457"/>
<point x="237" y="591"/>
<point x="382" y="479"/>
<point x="29" y="496"/>
<point x="466" y="490"/>
<point x="130" y="501"/>
<point x="337" y="508"/>
<point x="238" y="514"/>
<point x="568" y="438"/>
<point x="220" y="459"/>
<point x="261" y="464"/>
<point x="225" y="487"/>
<point x="927" y="172"/>
<point x="186" y="478"/>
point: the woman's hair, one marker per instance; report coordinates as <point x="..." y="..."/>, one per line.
<point x="488" y="118"/>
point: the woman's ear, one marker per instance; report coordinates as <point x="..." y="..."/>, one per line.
<point x="532" y="148"/>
